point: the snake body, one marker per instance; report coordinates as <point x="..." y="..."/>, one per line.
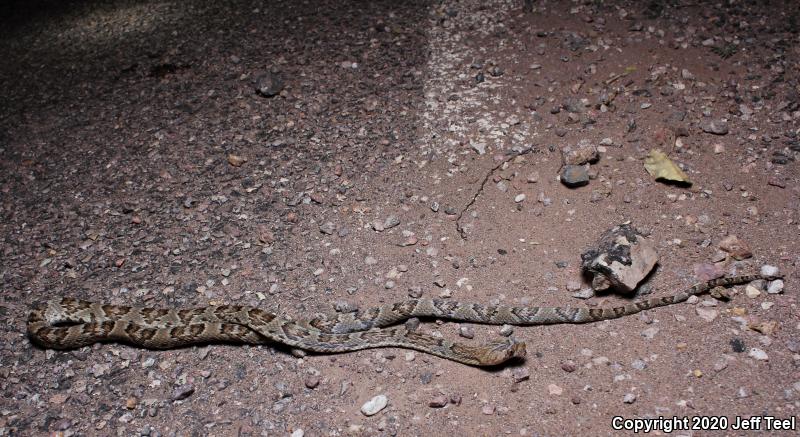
<point x="68" y="323"/>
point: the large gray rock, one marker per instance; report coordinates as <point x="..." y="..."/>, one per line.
<point x="620" y="259"/>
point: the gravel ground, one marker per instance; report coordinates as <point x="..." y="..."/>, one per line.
<point x="300" y="156"/>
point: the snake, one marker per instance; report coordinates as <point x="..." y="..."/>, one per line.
<point x="69" y="323"/>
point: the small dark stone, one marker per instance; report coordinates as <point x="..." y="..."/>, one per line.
<point x="574" y="176"/>
<point x="502" y="251"/>
<point x="182" y="392"/>
<point x="737" y="345"/>
<point x="269" y="84"/>
<point x="480" y="78"/>
<point x="426" y="377"/>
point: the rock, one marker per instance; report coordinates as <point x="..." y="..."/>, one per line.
<point x="775" y="287"/>
<point x="182" y="392"/>
<point x="586" y="293"/>
<point x="768" y="270"/>
<point x="487" y="410"/>
<point x="716" y="127"/>
<point x="269" y="84"/>
<point x="506" y="330"/>
<point x="737" y="248"/>
<point x="298" y="433"/>
<point x="569" y="366"/>
<point x="519" y="198"/>
<point x="438" y="401"/>
<point x="478" y="147"/>
<point x="574" y="176"/>
<point x="758" y="354"/>
<point x="236" y="160"/>
<point x="327" y="228"/>
<point x="554" y="390"/>
<point x="767" y="328"/>
<point x="737" y="345"/>
<point x="650" y="333"/>
<point x="579" y="154"/>
<point x="629" y="398"/>
<point x="533" y="177"/>
<point x="374" y="405"/>
<point x="620" y="259"/>
<point x="466" y="331"/>
<point x="707" y="314"/>
<point x="391" y="222"/>
<point x="752" y="292"/>
<point x="520" y="374"/>
<point x="311" y="381"/>
<point x="706" y="272"/>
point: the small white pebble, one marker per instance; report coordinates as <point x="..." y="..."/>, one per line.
<point x="752" y="292"/>
<point x="629" y="398"/>
<point x="775" y="287"/>
<point x="758" y="354"/>
<point x="768" y="270"/>
<point x="519" y="198"/>
<point x="374" y="405"/>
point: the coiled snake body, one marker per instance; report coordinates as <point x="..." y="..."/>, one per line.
<point x="70" y="323"/>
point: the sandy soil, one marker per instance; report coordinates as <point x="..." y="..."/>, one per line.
<point x="138" y="165"/>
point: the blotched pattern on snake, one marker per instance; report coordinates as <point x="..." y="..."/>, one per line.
<point x="70" y="323"/>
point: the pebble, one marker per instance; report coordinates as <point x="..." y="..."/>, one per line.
<point x="706" y="272"/>
<point x="707" y="314"/>
<point x="311" y="381"/>
<point x="569" y="366"/>
<point x="327" y="228"/>
<point x="391" y="222"/>
<point x="752" y="292"/>
<point x="716" y="127"/>
<point x="298" y="432"/>
<point x="488" y="410"/>
<point x="758" y="354"/>
<point x="775" y="287"/>
<point x="586" y="293"/>
<point x="374" y="405"/>
<point x="533" y="177"/>
<point x="269" y="84"/>
<point x="736" y="247"/>
<point x="768" y="270"/>
<point x="639" y="364"/>
<point x="737" y="345"/>
<point x="182" y="392"/>
<point x="579" y="154"/>
<point x="519" y="198"/>
<point x="466" y="331"/>
<point x="574" y="176"/>
<point x="520" y="374"/>
<point x="629" y="398"/>
<point x="438" y="401"/>
<point x="554" y="390"/>
<point x="479" y="147"/>
<point x="506" y="330"/>
<point x="649" y="333"/>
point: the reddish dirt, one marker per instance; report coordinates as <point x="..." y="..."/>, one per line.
<point x="117" y="125"/>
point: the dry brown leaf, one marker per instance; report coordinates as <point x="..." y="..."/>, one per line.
<point x="661" y="167"/>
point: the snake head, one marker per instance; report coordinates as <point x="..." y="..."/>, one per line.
<point x="501" y="352"/>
